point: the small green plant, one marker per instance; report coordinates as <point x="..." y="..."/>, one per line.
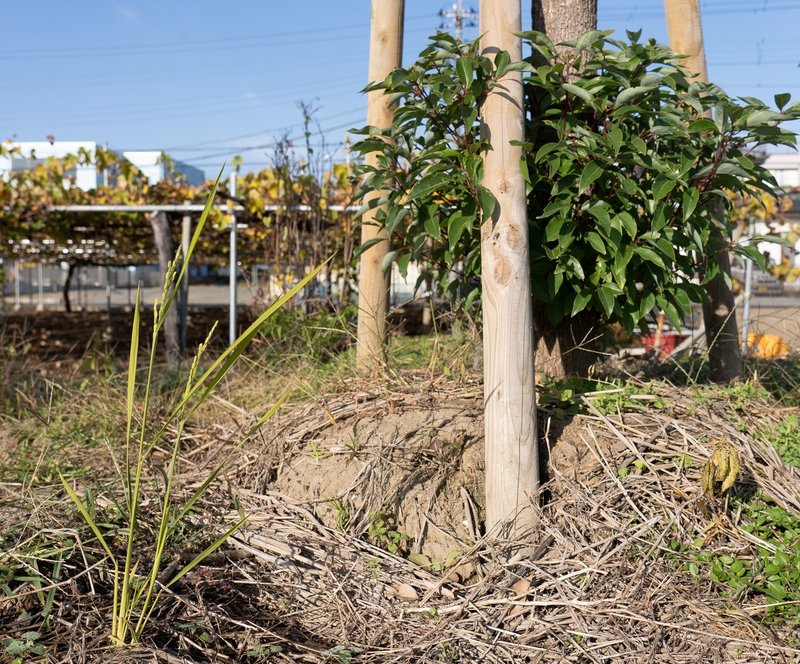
<point x="136" y="585"/>
<point x="26" y="645"/>
<point x="785" y="438"/>
<point x="383" y="530"/>
<point x="344" y="512"/>
<point x="317" y="453"/>
<point x="767" y="575"/>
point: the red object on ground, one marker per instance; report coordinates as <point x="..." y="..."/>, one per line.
<point x="668" y="342"/>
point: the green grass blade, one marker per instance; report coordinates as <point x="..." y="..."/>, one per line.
<point x="173" y="293"/>
<point x="88" y="518"/>
<point x="213" y="475"/>
<point x="200" y="557"/>
<point x="133" y="360"/>
<point x="215" y="373"/>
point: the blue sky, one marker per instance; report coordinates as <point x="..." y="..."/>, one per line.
<point x="207" y="80"/>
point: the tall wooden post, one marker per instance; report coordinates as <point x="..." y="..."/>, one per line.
<point x="719" y="313"/>
<point x="685" y="32"/>
<point x="385" y="54"/>
<point x="512" y="460"/>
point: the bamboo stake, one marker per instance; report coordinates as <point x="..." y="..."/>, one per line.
<point x="385" y="54"/>
<point x="512" y="464"/>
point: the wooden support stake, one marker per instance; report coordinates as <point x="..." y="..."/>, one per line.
<point x="385" y="54"/>
<point x="685" y="32"/>
<point x="512" y="460"/>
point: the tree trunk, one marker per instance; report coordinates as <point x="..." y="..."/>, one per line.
<point x="385" y="54"/>
<point x="569" y="348"/>
<point x="166" y="252"/>
<point x="719" y="314"/>
<point x="512" y="459"/>
<point x="564" y="20"/>
<point x="65" y="289"/>
<point x="722" y="331"/>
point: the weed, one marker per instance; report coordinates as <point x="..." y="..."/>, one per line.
<point x="344" y="513"/>
<point x="565" y="395"/>
<point x="785" y="438"/>
<point x="316" y="452"/>
<point x="23" y="646"/>
<point x="383" y="531"/>
<point x="342" y="654"/>
<point x="134" y="590"/>
<point x="764" y="576"/>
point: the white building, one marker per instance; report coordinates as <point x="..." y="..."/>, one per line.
<point x="785" y="166"/>
<point x="26" y="154"/>
<point x="152" y="164"/>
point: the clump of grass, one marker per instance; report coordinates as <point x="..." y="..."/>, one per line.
<point x="136" y="584"/>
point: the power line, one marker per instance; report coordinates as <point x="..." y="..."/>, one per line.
<point x="459" y="18"/>
<point x="269" y="145"/>
<point x="283" y="38"/>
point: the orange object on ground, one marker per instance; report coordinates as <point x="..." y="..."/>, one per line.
<point x="767" y="346"/>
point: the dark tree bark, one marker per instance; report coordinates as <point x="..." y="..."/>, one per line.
<point x="66" y="287"/>
<point x="571" y="347"/>
<point x="722" y="330"/>
<point x="166" y="252"/>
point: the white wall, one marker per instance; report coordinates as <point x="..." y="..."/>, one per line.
<point x="85" y="176"/>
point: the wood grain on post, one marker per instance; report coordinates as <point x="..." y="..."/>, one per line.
<point x="685" y="32"/>
<point x="385" y="54"/>
<point x="512" y="464"/>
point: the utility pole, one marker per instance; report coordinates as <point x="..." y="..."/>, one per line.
<point x="512" y="458"/>
<point x="385" y="55"/>
<point x="458" y="18"/>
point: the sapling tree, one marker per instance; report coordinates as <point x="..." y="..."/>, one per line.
<point x="629" y="180"/>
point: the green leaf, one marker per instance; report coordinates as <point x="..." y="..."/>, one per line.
<point x="578" y="91"/>
<point x="662" y="186"/>
<point x="764" y="117"/>
<point x="650" y="256"/>
<point x="606" y="297"/>
<point x="431" y="226"/>
<point x="587" y="39"/>
<point x="464" y="71"/>
<point x="456" y="226"/>
<point x="590" y="173"/>
<point x="581" y="300"/>
<point x="703" y="124"/>
<point x="689" y="202"/>
<point x="488" y="202"/>
<point x="428" y="185"/>
<point x="597" y="242"/>
<point x="628" y="223"/>
<point x="631" y="93"/>
<point x="782" y="99"/>
<point x="673" y="315"/>
<point x="615" y="138"/>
